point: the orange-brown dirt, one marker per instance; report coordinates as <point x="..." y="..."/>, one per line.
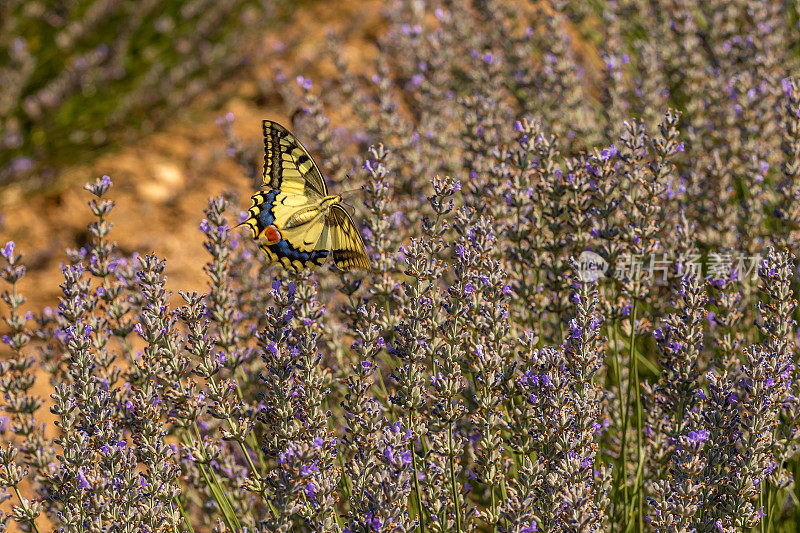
<point x="162" y="182"/>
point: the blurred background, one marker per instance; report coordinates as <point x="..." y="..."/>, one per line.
<point x="166" y="96"/>
<point x="137" y="91"/>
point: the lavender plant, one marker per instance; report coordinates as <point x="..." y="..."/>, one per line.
<point x="580" y="317"/>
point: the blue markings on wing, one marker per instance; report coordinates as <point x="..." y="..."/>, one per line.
<point x="265" y="217"/>
<point x="284" y="248"/>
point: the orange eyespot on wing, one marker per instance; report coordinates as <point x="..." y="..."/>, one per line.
<point x="271" y="234"/>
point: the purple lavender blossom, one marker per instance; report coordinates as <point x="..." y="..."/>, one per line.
<point x="478" y="377"/>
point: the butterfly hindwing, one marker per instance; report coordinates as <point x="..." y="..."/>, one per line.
<point x="298" y="247"/>
<point x="288" y="166"/>
<point x="347" y="246"/>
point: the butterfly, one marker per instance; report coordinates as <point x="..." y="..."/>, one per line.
<point x="296" y="221"/>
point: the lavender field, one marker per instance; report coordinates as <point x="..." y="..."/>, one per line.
<point x="582" y="220"/>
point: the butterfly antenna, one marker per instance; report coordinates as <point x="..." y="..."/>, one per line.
<point x="350" y="208"/>
<point x="350" y="191"/>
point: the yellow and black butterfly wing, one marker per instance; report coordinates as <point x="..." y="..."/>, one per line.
<point x="287" y="220"/>
<point x="288" y="167"/>
<point x="347" y="246"/>
<point x="303" y="246"/>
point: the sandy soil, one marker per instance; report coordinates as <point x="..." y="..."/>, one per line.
<point x="162" y="181"/>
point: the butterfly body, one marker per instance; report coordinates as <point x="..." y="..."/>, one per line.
<point x="297" y="223"/>
<point x="311" y="212"/>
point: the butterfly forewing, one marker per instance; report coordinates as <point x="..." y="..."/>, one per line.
<point x="287" y="164"/>
<point x="347" y="246"/>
